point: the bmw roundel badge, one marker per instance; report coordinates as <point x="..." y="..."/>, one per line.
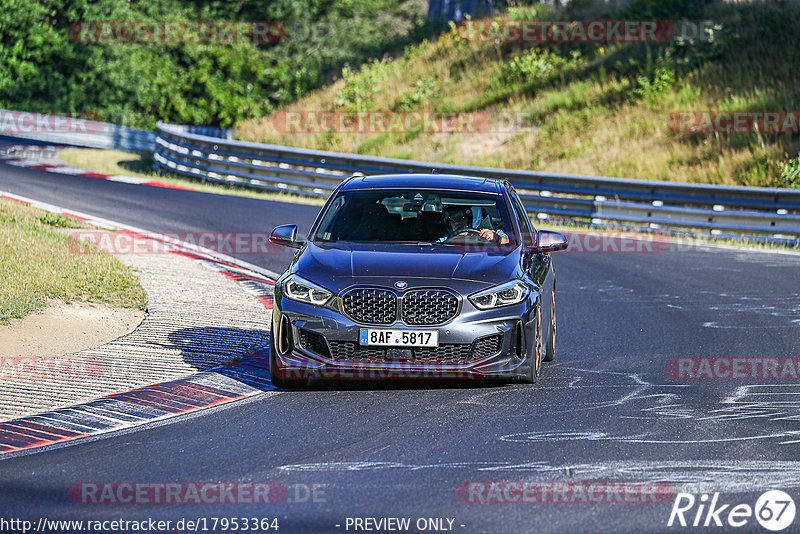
<point x="400" y="284"/>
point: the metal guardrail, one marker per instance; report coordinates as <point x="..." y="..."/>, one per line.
<point x="209" y="153"/>
<point x="758" y="210"/>
<point x="208" y="131"/>
<point x="75" y="131"/>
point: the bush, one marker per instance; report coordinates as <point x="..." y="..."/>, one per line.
<point x="360" y="87"/>
<point x="790" y="173"/>
<point x="531" y="66"/>
<point x="650" y="88"/>
<point x="419" y="95"/>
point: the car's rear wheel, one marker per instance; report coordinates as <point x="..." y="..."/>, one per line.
<point x="550" y="351"/>
<point x="276" y="374"/>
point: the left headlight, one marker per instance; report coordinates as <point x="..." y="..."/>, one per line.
<point x="302" y="290"/>
<point x="506" y="294"/>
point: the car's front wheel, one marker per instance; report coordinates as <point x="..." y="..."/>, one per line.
<point x="536" y="357"/>
<point x="550" y="351"/>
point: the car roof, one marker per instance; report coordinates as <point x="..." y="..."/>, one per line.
<point x="424" y="181"/>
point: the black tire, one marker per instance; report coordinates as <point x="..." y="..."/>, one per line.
<point x="274" y="374"/>
<point x="550" y="351"/>
<point x="536" y="358"/>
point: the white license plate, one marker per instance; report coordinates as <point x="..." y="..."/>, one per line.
<point x="399" y="338"/>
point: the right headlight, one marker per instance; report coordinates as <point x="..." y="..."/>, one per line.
<point x="512" y="292"/>
<point x="302" y="290"/>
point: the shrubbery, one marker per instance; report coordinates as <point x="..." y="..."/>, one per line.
<point x="42" y="69"/>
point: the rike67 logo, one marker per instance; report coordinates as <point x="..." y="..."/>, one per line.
<point x="774" y="510"/>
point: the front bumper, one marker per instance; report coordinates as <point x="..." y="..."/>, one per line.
<point x="322" y="343"/>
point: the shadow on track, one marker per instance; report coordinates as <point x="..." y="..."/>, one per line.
<point x="205" y="348"/>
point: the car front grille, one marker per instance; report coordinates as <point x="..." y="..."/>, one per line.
<point x="429" y="307"/>
<point x="370" y="306"/>
<point x="446" y="354"/>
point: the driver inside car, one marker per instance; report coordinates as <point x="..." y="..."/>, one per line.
<point x="464" y="218"/>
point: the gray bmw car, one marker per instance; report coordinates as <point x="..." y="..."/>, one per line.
<point x="419" y="276"/>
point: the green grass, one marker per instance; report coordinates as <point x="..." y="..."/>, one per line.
<point x="597" y="109"/>
<point x="37" y="263"/>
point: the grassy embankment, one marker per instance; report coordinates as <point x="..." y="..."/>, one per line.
<point x="597" y="109"/>
<point x="37" y="264"/>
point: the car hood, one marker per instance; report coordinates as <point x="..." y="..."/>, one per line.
<point x="340" y="265"/>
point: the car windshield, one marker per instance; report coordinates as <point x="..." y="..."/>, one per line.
<point x="417" y="216"/>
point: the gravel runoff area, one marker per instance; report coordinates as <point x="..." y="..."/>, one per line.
<point x="196" y="319"/>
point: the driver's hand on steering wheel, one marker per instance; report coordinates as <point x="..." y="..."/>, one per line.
<point x="487" y="234"/>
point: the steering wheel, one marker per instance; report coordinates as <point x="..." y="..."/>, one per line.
<point x="469" y="231"/>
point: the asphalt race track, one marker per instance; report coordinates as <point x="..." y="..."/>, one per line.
<point x="610" y="408"/>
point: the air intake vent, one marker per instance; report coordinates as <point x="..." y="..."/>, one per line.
<point x="313" y="342"/>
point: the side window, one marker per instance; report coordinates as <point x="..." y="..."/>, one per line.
<point x="528" y="233"/>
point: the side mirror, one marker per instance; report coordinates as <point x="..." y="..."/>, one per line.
<point x="549" y="242"/>
<point x="285" y="236"/>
